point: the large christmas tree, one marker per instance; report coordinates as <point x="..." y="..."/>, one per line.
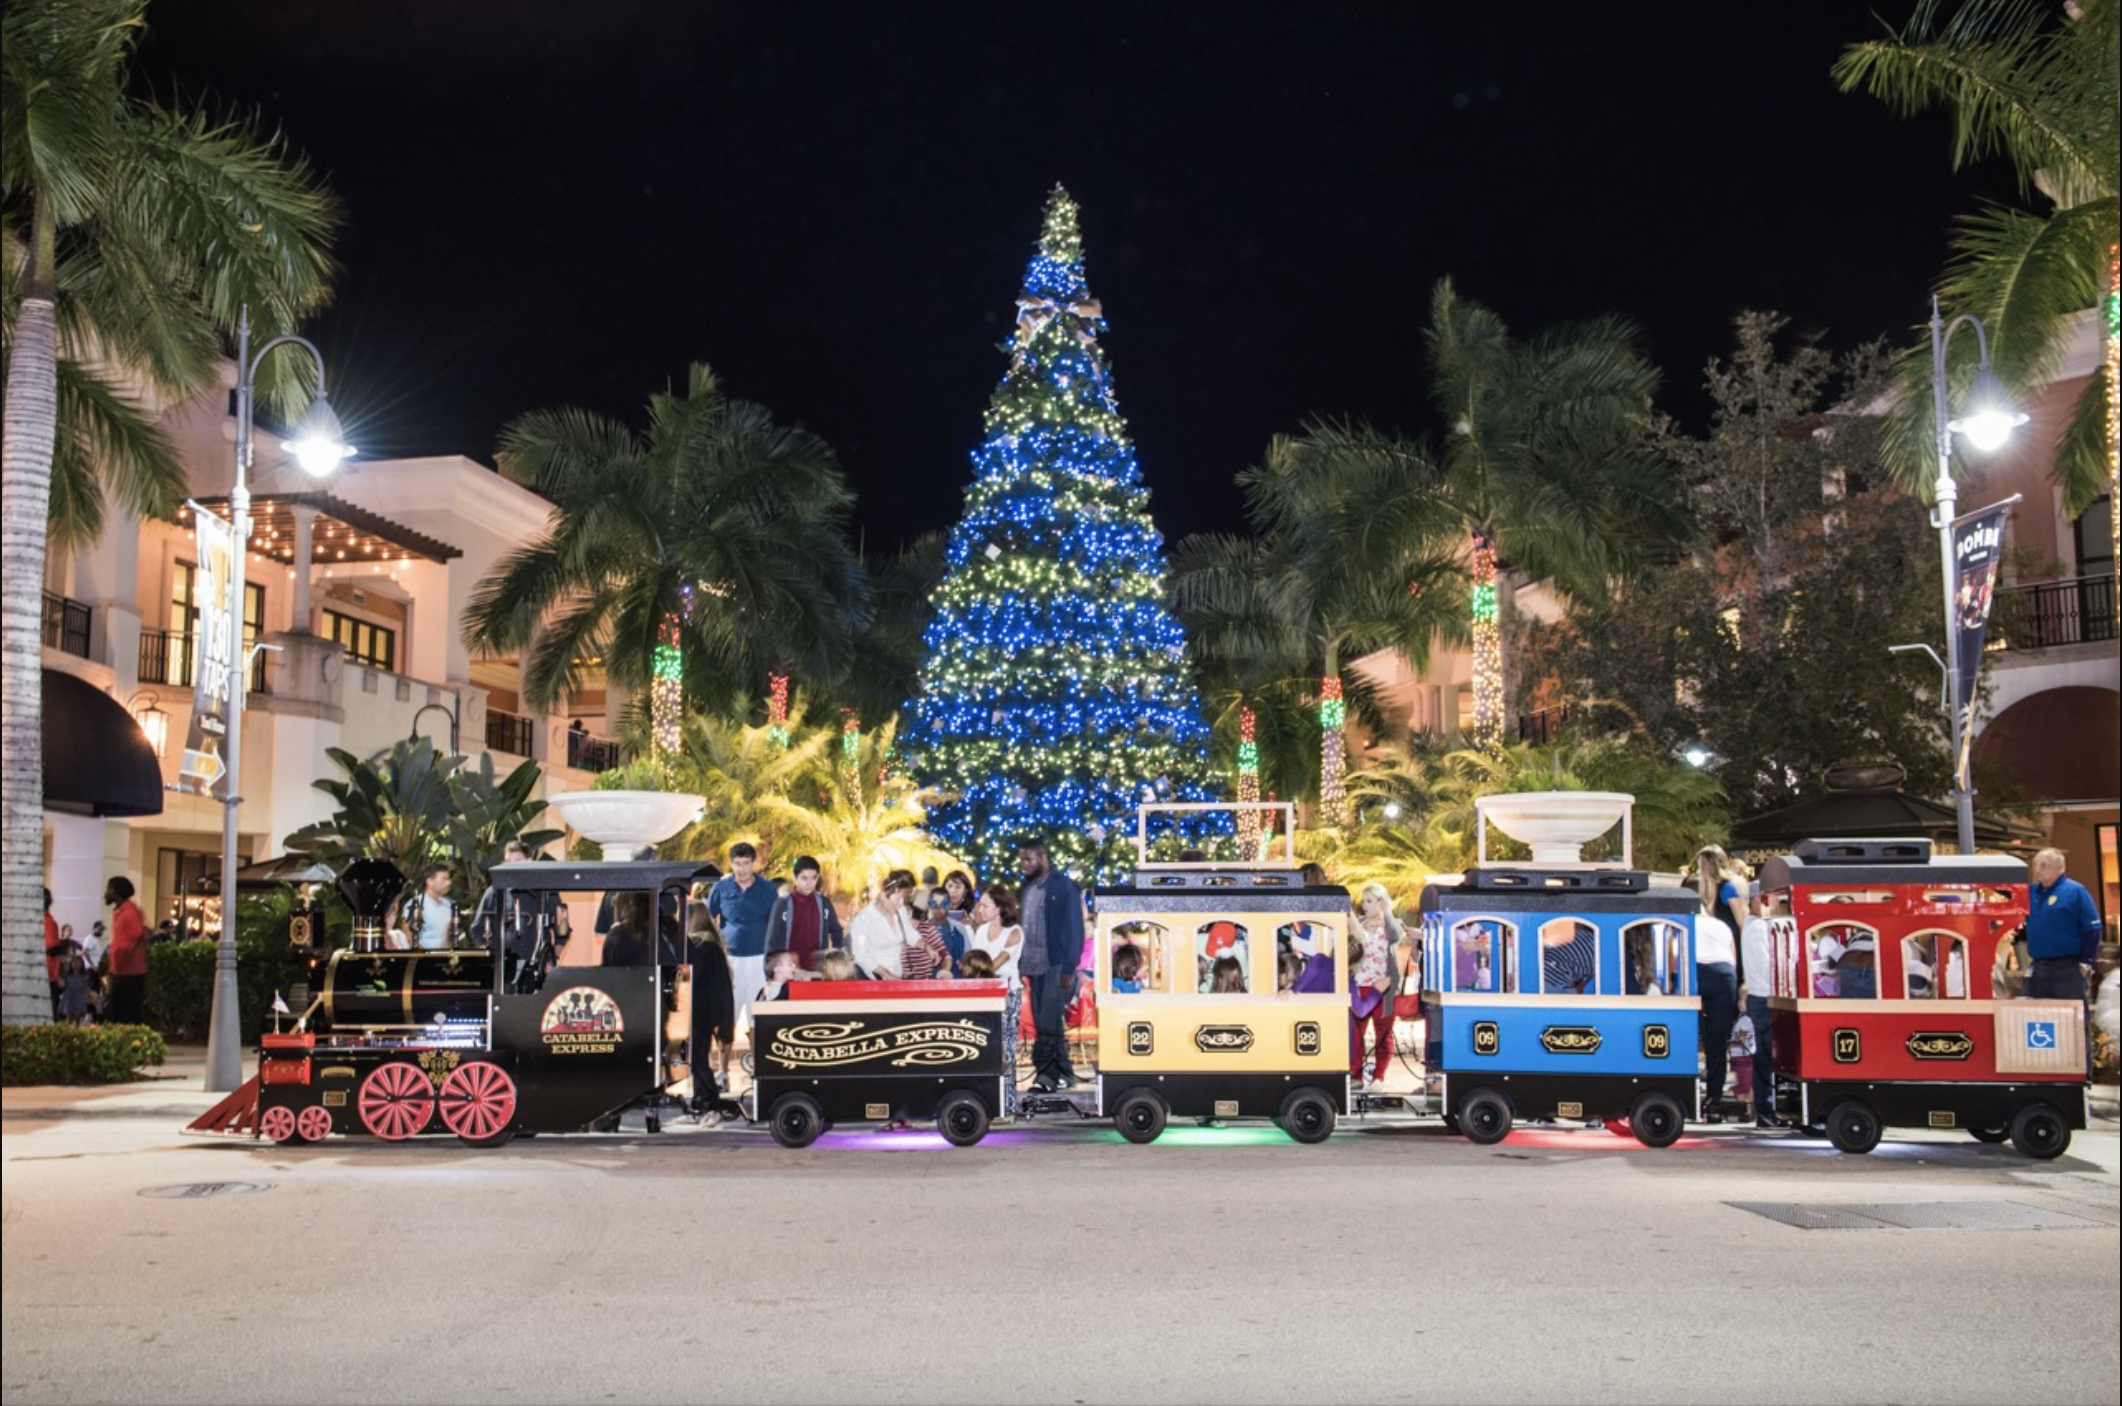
<point x="1055" y="693"/>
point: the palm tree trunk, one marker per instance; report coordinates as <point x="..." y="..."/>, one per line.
<point x="1488" y="649"/>
<point x="26" y="439"/>
<point x="1248" y="786"/>
<point x="666" y="691"/>
<point x="1333" y="742"/>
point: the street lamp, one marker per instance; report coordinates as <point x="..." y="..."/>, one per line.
<point x="1988" y="420"/>
<point x="447" y="712"/>
<point x="318" y="446"/>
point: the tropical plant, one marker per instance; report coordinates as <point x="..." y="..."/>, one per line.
<point x="860" y="815"/>
<point x="738" y="769"/>
<point x="693" y="559"/>
<point x="1546" y="462"/>
<point x="1354" y="554"/>
<point x="132" y="237"/>
<point x="414" y="805"/>
<point x="2041" y="85"/>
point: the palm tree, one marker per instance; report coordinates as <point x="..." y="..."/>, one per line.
<point x="696" y="558"/>
<point x="2041" y="85"/>
<point x="1352" y="556"/>
<point x="132" y="238"/>
<point x="860" y="817"/>
<point x="1547" y="462"/>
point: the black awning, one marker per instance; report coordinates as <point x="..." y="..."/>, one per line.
<point x="1872" y="812"/>
<point x="97" y="761"/>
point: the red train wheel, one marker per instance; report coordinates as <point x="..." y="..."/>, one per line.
<point x="478" y="1100"/>
<point x="278" y="1123"/>
<point x="314" y="1123"/>
<point x="396" y="1101"/>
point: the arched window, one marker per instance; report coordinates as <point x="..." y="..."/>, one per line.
<point x="1654" y="957"/>
<point x="1484" y="955"/>
<point x="1934" y="966"/>
<point x="1845" y="960"/>
<point x="1569" y="958"/>
<point x="1151" y="945"/>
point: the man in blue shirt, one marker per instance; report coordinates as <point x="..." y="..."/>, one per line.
<point x="2062" y="931"/>
<point x="740" y="903"/>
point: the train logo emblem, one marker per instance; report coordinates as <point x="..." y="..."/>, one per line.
<point x="1223" y="1039"/>
<point x="1941" y="1044"/>
<point x="920" y="1044"/>
<point x="1847" y="1046"/>
<point x="1141" y="1037"/>
<point x="2040" y="1034"/>
<point x="1657" y="1042"/>
<point x="1487" y="1039"/>
<point x="581" y="1020"/>
<point x="1308" y="1042"/>
<point x="1571" y="1039"/>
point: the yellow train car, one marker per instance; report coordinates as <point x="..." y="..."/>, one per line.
<point x="1196" y="1017"/>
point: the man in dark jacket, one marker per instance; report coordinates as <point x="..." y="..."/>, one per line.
<point x="1053" y="946"/>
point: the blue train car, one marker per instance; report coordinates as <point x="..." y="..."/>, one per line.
<point x="1560" y="993"/>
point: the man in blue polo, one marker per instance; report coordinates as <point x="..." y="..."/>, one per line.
<point x="740" y="903"/>
<point x="2062" y="931"/>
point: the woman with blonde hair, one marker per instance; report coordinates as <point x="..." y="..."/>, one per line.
<point x="1721" y="880"/>
<point x="1374" y="941"/>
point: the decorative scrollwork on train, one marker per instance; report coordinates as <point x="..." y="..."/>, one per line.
<point x="1223" y="1039"/>
<point x="1571" y="1039"/>
<point x="1941" y="1044"/>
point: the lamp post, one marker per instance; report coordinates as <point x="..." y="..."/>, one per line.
<point x="1988" y="420"/>
<point x="455" y="744"/>
<point x="318" y="445"/>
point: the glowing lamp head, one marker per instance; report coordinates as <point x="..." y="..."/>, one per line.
<point x="1990" y="416"/>
<point x="320" y="442"/>
<point x="1697" y="756"/>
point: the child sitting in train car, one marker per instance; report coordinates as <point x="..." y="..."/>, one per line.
<point x="1288" y="967"/>
<point x="838" y="965"/>
<point x="1227" y="977"/>
<point x="976" y="965"/>
<point x="1127" y="969"/>
<point x="781" y="969"/>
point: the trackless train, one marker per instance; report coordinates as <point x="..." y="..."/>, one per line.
<point x="1554" y="989"/>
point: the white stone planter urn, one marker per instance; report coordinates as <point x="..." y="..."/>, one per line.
<point x="624" y="821"/>
<point x="1556" y="825"/>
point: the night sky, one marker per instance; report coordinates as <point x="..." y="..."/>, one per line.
<point x="555" y="202"/>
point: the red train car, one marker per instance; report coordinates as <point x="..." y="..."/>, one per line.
<point x="1885" y="1008"/>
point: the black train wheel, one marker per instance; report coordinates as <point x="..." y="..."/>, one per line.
<point x="1656" y="1119"/>
<point x="1484" y="1117"/>
<point x="961" y="1118"/>
<point x="2040" y="1132"/>
<point x="1307" y="1116"/>
<point x="1852" y="1126"/>
<point x="1139" y="1115"/>
<point x="796" y="1120"/>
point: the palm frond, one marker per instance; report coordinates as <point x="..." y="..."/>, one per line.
<point x="108" y="447"/>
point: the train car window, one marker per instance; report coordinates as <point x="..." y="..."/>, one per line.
<point x="1848" y="895"/>
<point x="1845" y="960"/>
<point x="1222" y="958"/>
<point x="631" y="938"/>
<point x="1146" y="948"/>
<point x="1934" y="966"/>
<point x="1655" y="957"/>
<point x="1569" y="958"/>
<point x="2007" y="976"/>
<point x="1309" y="949"/>
<point x="584" y="944"/>
<point x="1484" y="955"/>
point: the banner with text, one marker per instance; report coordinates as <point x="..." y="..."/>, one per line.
<point x="213" y="647"/>
<point x="1978" y="550"/>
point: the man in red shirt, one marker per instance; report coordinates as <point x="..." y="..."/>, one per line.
<point x="128" y="954"/>
<point x="54" y="952"/>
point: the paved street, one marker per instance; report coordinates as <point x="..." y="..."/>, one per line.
<point x="1394" y="1263"/>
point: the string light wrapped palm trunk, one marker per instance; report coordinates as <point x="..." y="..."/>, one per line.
<point x="1488" y="649"/>
<point x="1333" y="751"/>
<point x="2114" y="422"/>
<point x="777" y="707"/>
<point x="666" y="691"/>
<point x="1248" y="785"/>
<point x="850" y="742"/>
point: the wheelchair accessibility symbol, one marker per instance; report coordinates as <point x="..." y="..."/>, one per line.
<point x="2040" y="1034"/>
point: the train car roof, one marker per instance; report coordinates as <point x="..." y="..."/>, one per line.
<point x="1885" y="862"/>
<point x="599" y="873"/>
<point x="1219" y="889"/>
<point x="1525" y="889"/>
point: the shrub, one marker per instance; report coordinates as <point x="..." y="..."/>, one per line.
<point x="77" y="1054"/>
<point x="180" y="975"/>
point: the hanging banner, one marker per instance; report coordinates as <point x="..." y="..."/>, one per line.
<point x="1978" y="550"/>
<point x="213" y="648"/>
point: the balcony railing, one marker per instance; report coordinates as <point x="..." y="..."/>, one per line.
<point x="1544" y="725"/>
<point x="66" y="624"/>
<point x="2045" y="614"/>
<point x="166" y="658"/>
<point x="589" y="752"/>
<point x="507" y="732"/>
